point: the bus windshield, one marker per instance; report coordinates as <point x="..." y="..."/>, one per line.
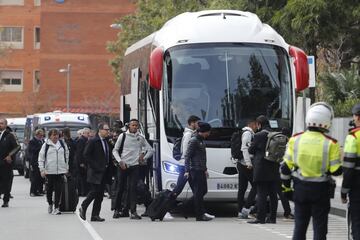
<point x="226" y="85"/>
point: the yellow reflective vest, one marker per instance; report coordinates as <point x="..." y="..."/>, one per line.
<point x="311" y="155"/>
<point x="351" y="164"/>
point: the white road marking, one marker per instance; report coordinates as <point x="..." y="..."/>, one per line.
<point x="89" y="228"/>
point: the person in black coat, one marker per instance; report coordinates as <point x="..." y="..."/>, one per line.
<point x="36" y="188"/>
<point x="8" y="148"/>
<point x="266" y="173"/>
<point x="99" y="171"/>
<point x="81" y="162"/>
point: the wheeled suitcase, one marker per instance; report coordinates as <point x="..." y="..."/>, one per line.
<point x="161" y="205"/>
<point x="69" y="195"/>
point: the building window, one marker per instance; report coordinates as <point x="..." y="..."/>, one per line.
<point x="12" y="37"/>
<point x="37" y="3"/>
<point x="37" y="37"/>
<point x="11" y="80"/>
<point x="11" y="2"/>
<point x="36" y="84"/>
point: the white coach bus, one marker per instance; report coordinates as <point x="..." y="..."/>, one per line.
<point x="224" y="66"/>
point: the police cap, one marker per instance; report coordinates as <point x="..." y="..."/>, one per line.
<point x="356" y="109"/>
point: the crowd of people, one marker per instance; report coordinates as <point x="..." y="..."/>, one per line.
<point x="303" y="175"/>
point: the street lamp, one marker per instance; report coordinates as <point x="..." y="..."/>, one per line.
<point x="68" y="72"/>
<point x="116" y="26"/>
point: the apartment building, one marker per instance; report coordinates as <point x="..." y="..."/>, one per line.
<point x="54" y="55"/>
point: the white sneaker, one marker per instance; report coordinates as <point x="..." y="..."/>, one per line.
<point x="209" y="215"/>
<point x="56" y="212"/>
<point x="50" y="208"/>
<point x="168" y="216"/>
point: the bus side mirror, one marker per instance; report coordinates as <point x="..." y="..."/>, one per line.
<point x="301" y="68"/>
<point x="156" y="68"/>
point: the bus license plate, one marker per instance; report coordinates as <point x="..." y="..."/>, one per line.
<point x="226" y="186"/>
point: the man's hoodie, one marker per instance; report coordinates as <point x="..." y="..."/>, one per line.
<point x="246" y="139"/>
<point x="188" y="133"/>
<point x="134" y="145"/>
<point x="56" y="162"/>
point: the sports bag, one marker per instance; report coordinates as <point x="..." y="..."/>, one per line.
<point x="275" y="146"/>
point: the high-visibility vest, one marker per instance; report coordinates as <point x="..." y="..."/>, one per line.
<point x="311" y="155"/>
<point x="351" y="164"/>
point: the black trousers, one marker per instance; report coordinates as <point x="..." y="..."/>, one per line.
<point x="6" y="176"/>
<point x="319" y="212"/>
<point x="198" y="184"/>
<point x="96" y="194"/>
<point x="354" y="209"/>
<point x="312" y="200"/>
<point x="265" y="189"/>
<point x="127" y="186"/>
<point x="54" y="184"/>
<point x="82" y="184"/>
<point x="245" y="177"/>
<point x="36" y="181"/>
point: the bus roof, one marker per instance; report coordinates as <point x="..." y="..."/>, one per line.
<point x="212" y="26"/>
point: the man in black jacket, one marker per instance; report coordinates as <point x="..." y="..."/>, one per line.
<point x="99" y="171"/>
<point x="36" y="188"/>
<point x="81" y="162"/>
<point x="8" y="148"/>
<point x="266" y="173"/>
<point x="196" y="170"/>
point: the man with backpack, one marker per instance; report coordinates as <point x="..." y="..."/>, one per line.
<point x="245" y="167"/>
<point x="266" y="173"/>
<point x="131" y="149"/>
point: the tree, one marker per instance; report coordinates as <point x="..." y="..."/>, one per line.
<point x="317" y="25"/>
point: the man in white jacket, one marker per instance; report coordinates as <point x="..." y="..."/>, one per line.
<point x="245" y="170"/>
<point x="135" y="150"/>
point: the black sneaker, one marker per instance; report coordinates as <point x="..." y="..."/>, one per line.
<point x="116" y="214"/>
<point x="135" y="216"/>
<point x="204" y="218"/>
<point x="5" y="205"/>
<point x="289" y="216"/>
<point x="124" y="214"/>
<point x="269" y="220"/>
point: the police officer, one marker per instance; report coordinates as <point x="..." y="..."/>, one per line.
<point x="311" y="157"/>
<point x="351" y="168"/>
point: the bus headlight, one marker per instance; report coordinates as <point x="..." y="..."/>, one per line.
<point x="171" y="168"/>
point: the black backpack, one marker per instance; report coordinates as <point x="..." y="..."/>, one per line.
<point x="177" y="149"/>
<point x="235" y="144"/>
<point x="275" y="146"/>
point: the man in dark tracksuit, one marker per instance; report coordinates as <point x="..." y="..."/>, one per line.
<point x="196" y="170"/>
<point x="266" y="174"/>
<point x="35" y="144"/>
<point x="8" y="148"/>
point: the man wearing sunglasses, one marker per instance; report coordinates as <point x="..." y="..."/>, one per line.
<point x="99" y="172"/>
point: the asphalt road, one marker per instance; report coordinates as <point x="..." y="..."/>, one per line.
<point x="27" y="218"/>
